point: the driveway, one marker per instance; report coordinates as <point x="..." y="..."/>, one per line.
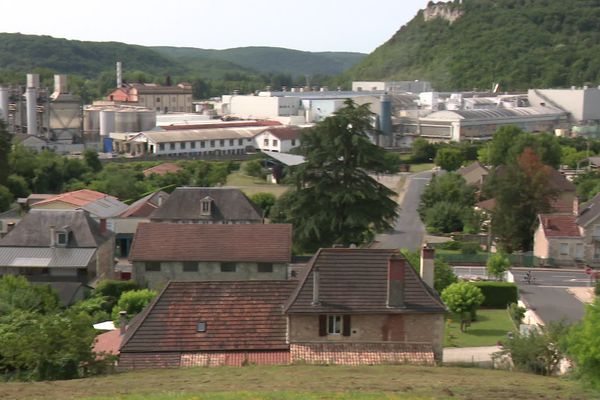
<point x="469" y="354"/>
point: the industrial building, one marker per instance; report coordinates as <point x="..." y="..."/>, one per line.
<point x="393" y="86"/>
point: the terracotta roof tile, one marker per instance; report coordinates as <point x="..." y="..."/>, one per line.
<point x="245" y="315"/>
<point x="559" y="225"/>
<point x="77" y="198"/>
<point x="285" y="133"/>
<point x="212" y="242"/>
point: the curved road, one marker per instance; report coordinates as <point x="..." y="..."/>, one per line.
<point x="409" y="230"/>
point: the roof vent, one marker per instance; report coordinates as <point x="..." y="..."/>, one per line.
<point x="201" y="326"/>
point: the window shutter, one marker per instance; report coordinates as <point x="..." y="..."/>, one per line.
<point x="322" y="325"/>
<point x="346" y="325"/>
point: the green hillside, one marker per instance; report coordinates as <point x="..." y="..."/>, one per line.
<point x="519" y="43"/>
<point x="271" y="59"/>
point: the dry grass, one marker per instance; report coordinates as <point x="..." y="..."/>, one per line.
<point x="306" y="382"/>
<point x="251" y="185"/>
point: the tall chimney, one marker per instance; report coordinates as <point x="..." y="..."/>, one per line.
<point x="60" y="84"/>
<point x="119" y="74"/>
<point x="31" y="104"/>
<point x="122" y="321"/>
<point x="315" y="299"/>
<point x="428" y="265"/>
<point x="395" y="293"/>
<point x="4" y="104"/>
<point x="52" y="236"/>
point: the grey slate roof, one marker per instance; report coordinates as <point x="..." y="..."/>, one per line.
<point x="34" y="229"/>
<point x="355" y="281"/>
<point x="228" y="204"/>
<point x="45" y="257"/>
<point x="286" y="158"/>
<point x="106" y="207"/>
<point x="589" y="211"/>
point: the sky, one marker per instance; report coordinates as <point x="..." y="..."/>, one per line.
<point x="310" y="25"/>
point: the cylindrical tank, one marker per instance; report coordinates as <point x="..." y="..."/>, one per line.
<point x="60" y="84"/>
<point x="91" y="120"/>
<point x="147" y="120"/>
<point x="107" y="122"/>
<point x="126" y="121"/>
<point x="31" y="100"/>
<point x="4" y="103"/>
<point x="33" y="81"/>
<point x="385" y="118"/>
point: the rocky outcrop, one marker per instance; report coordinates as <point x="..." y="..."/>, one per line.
<point x="448" y="11"/>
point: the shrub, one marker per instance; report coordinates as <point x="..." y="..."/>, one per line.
<point x="254" y="168"/>
<point x="450" y="245"/>
<point x="470" y="247"/>
<point x="498" y="294"/>
<point x="497" y="264"/>
<point x="114" y="288"/>
<point x="133" y="302"/>
<point x="516" y="313"/>
<point x="463" y="299"/>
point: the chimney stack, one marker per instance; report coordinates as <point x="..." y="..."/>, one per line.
<point x="52" y="236"/>
<point x="103" y="228"/>
<point x="119" y="74"/>
<point x="9" y="227"/>
<point x="122" y="321"/>
<point x="428" y="265"/>
<point x="395" y="295"/>
<point x="315" y="299"/>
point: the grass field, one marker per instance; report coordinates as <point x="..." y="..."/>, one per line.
<point x="491" y="326"/>
<point x="303" y="382"/>
<point x="251" y="185"/>
<point x="421" y="167"/>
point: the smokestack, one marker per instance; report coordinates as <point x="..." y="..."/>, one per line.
<point x="316" y="278"/>
<point x="428" y="265"/>
<point x="52" y="236"/>
<point x="31" y="101"/>
<point x="119" y="74"/>
<point x="122" y="322"/>
<point x="33" y="81"/>
<point x="395" y="295"/>
<point x="60" y="84"/>
<point x="4" y="103"/>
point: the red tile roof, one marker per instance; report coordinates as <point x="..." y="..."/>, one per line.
<point x="212" y="242"/>
<point x="286" y="133"/>
<point x="162" y="169"/>
<point x="559" y="225"/>
<point x="77" y="198"/>
<point x="108" y="342"/>
<point x="244" y="315"/>
<point x="356" y="281"/>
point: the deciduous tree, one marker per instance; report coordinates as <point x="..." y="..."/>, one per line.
<point x="463" y="299"/>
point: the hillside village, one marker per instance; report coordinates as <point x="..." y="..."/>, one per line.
<point x="380" y="222"/>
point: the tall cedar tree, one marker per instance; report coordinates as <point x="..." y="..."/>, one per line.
<point x="522" y="191"/>
<point x="336" y="201"/>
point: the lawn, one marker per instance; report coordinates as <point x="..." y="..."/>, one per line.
<point x="421" y="167"/>
<point x="251" y="185"/>
<point x="491" y="326"/>
<point x="299" y="382"/>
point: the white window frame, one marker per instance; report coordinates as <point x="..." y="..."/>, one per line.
<point x="335" y="325"/>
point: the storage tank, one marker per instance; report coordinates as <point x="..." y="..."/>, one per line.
<point x="126" y="121"/>
<point x="385" y="118"/>
<point x="146" y="120"/>
<point x="33" y="81"/>
<point x="4" y="103"/>
<point x="107" y="122"/>
<point x="31" y="101"/>
<point x="91" y="120"/>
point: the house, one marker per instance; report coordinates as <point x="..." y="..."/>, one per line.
<point x="8" y="220"/>
<point x="210" y="324"/>
<point x="365" y="306"/>
<point x="589" y="222"/>
<point x="474" y="174"/>
<point x="58" y="245"/>
<point x="99" y="205"/>
<point x="351" y="306"/>
<point x="281" y="140"/>
<point x="208" y="205"/>
<point x="558" y="237"/>
<point x="202" y="252"/>
<point x="155" y="97"/>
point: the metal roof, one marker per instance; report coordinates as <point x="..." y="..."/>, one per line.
<point x="285" y="158"/>
<point x="57" y="257"/>
<point x="105" y="207"/>
<point x="497" y="113"/>
<point x="201" y="134"/>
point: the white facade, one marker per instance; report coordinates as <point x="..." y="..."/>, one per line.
<point x="267" y="141"/>
<point x="582" y="104"/>
<point x="262" y="107"/>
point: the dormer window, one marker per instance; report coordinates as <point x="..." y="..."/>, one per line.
<point x="205" y="205"/>
<point x="61" y="238"/>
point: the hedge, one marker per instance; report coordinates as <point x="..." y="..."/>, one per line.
<point x="498" y="294"/>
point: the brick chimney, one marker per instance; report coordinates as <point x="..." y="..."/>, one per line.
<point x="103" y="225"/>
<point x="428" y="265"/>
<point x="9" y="227"/>
<point x="122" y="321"/>
<point x="395" y="295"/>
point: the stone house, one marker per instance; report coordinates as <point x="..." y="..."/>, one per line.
<point x="201" y="252"/>
<point x="558" y="237"/>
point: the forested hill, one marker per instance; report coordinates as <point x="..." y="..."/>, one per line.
<point x="518" y="43"/>
<point x="270" y="59"/>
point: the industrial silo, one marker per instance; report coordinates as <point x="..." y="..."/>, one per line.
<point x="147" y="120"/>
<point x="126" y="121"/>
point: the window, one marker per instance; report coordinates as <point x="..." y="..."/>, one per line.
<point x="293" y="142"/>
<point x="201" y="326"/>
<point x="228" y="267"/>
<point x="190" y="266"/>
<point x="265" y="267"/>
<point x="205" y="206"/>
<point x="61" y="238"/>
<point x="596" y="233"/>
<point x="334" y="324"/>
<point x="182" y="145"/>
<point x="564" y="249"/>
<point x="161" y="146"/>
<point x="152" y="266"/>
<point x="192" y="145"/>
<point x="240" y="142"/>
<point x="202" y="144"/>
<point x="275" y="142"/>
<point x="158" y="99"/>
<point x="172" y="146"/>
<point x="266" y="142"/>
<point x="212" y="143"/>
<point x="222" y="142"/>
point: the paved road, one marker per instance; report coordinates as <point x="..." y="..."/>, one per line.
<point x="409" y="230"/>
<point x="469" y="354"/>
<point x="548" y="295"/>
